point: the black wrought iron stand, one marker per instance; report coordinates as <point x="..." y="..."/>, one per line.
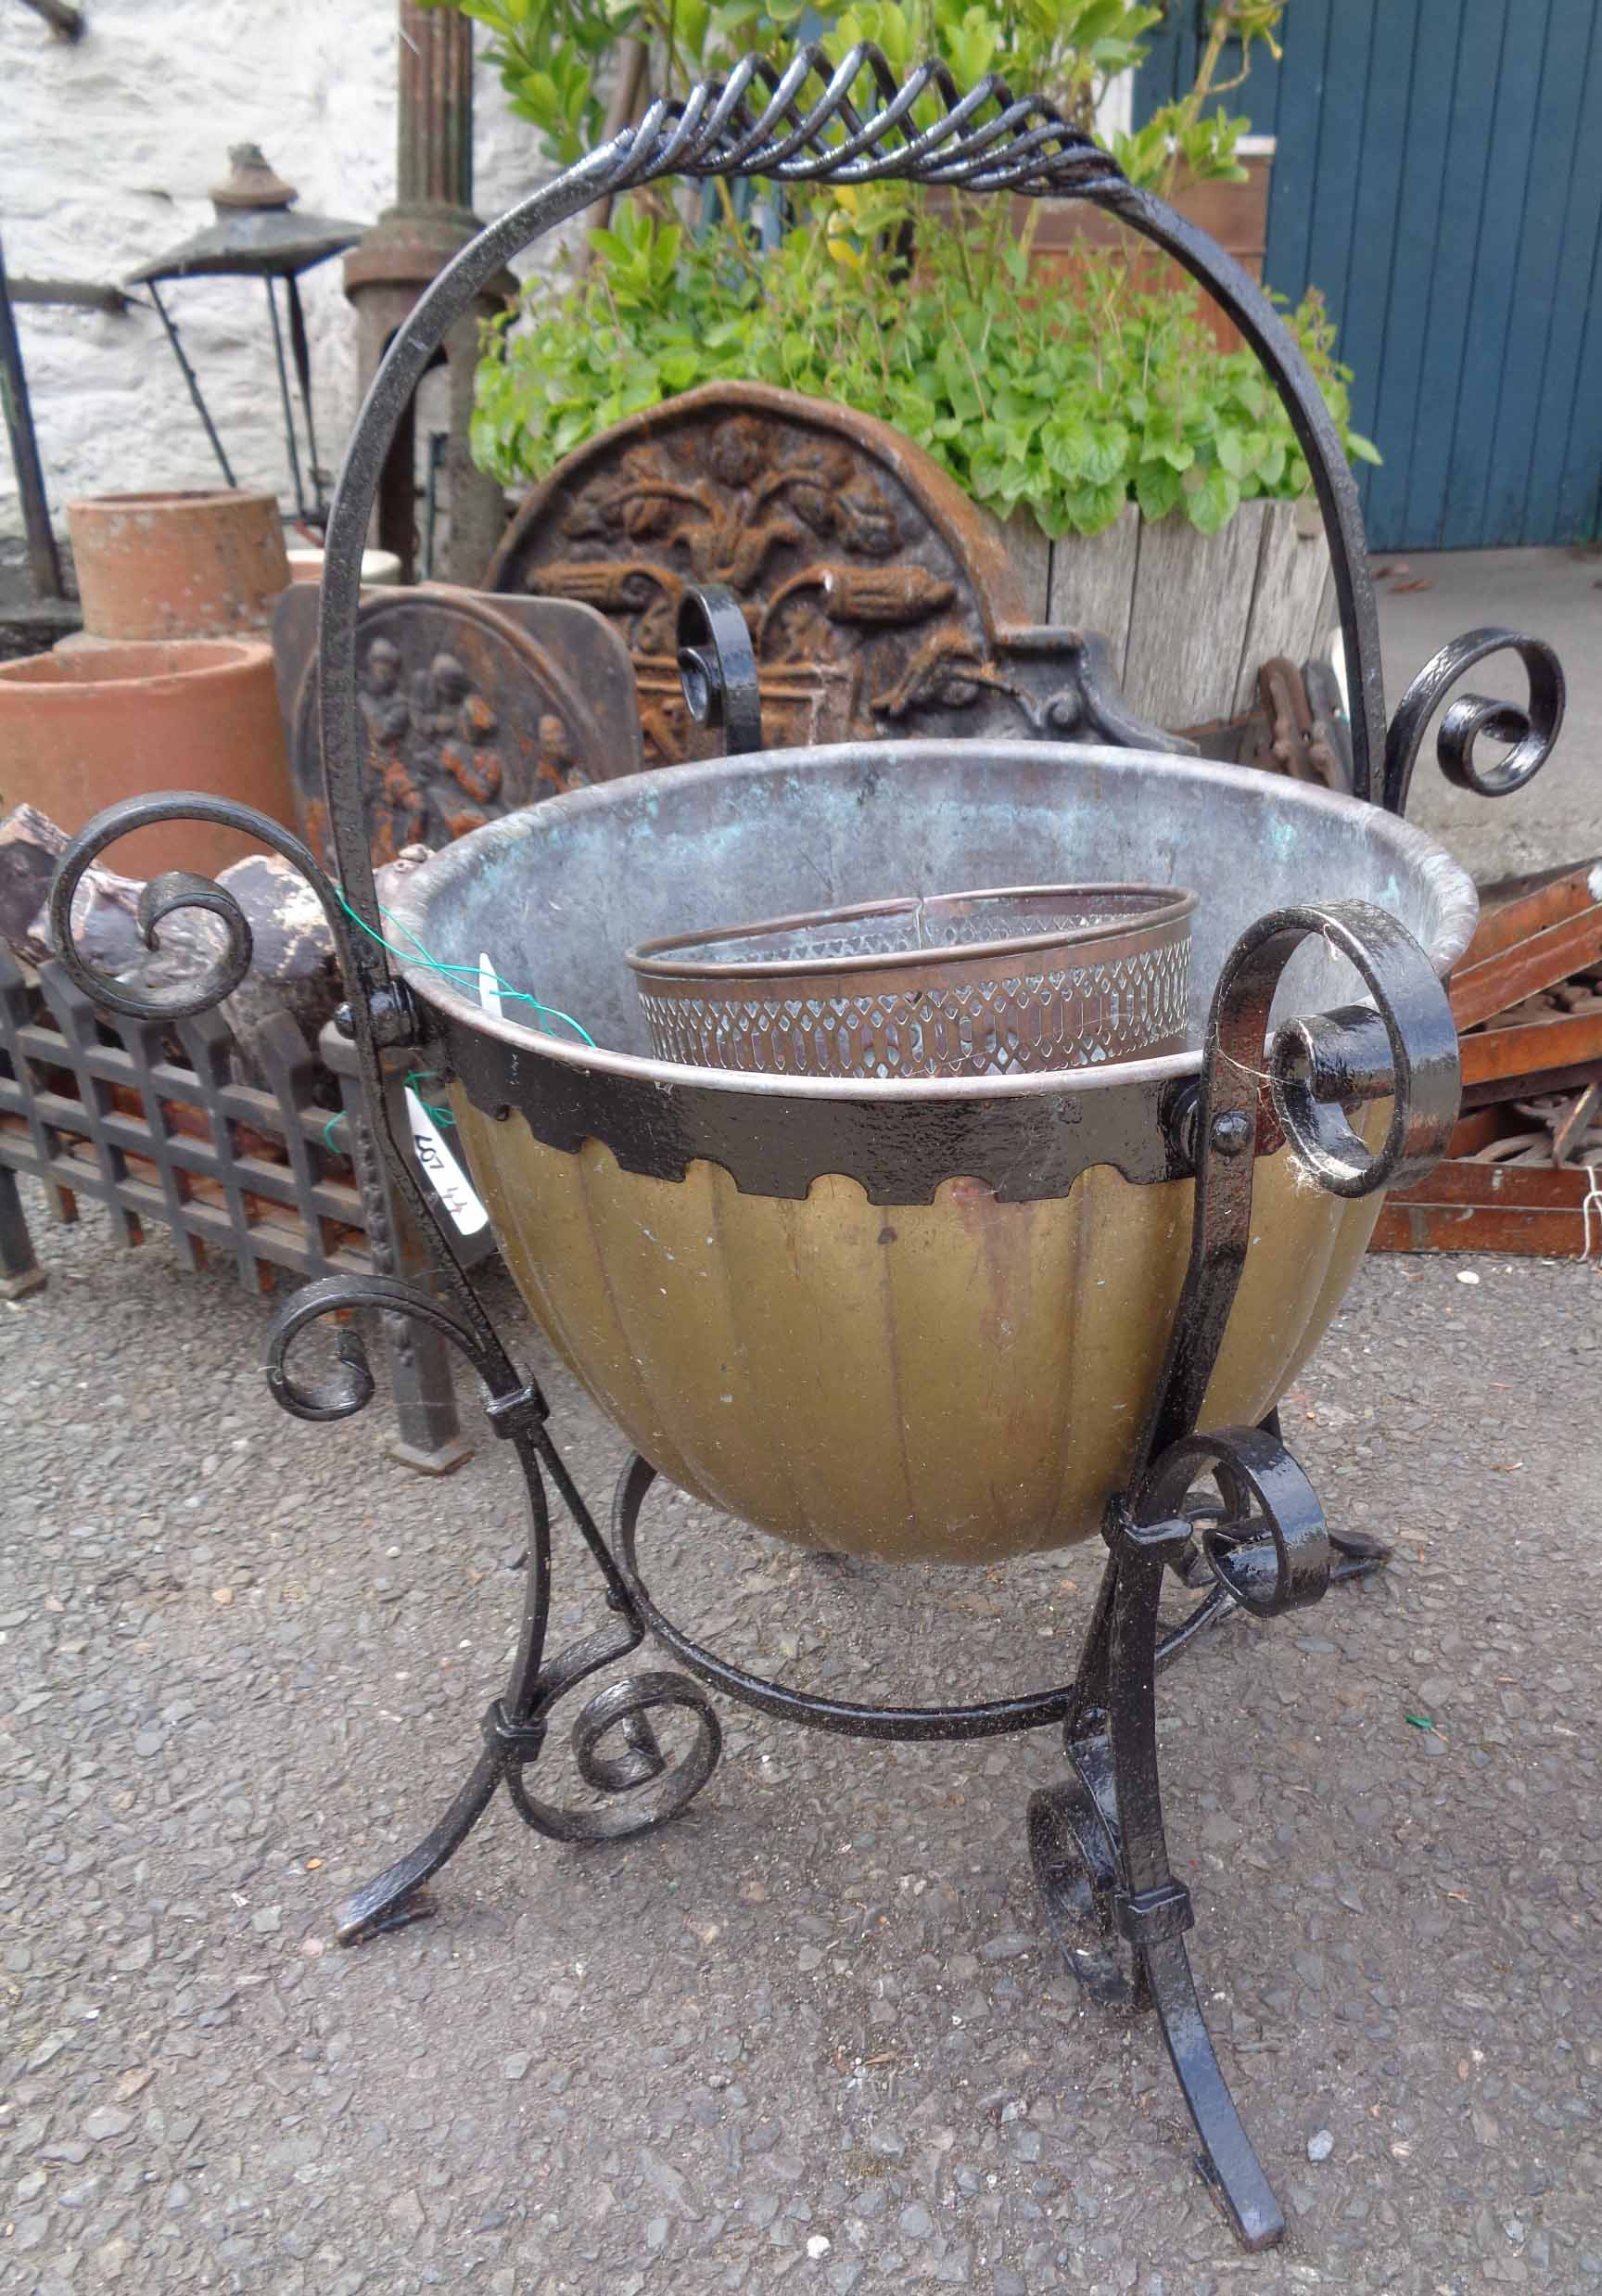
<point x="1261" y="1545"/>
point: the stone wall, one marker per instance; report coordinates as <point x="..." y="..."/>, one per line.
<point x="108" y="147"/>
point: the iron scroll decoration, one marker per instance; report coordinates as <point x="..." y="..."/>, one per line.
<point x="1529" y="732"/>
<point x="1098" y="1845"/>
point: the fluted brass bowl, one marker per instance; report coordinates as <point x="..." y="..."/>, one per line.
<point x="916" y="1319"/>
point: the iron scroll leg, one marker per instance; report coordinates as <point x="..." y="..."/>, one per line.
<point x="1151" y="1910"/>
<point x="1097" y="1841"/>
<point x="1100" y="1857"/>
<point x="380" y="1022"/>
<point x="515" y="1726"/>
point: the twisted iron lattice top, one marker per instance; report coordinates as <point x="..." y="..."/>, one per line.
<point x="804" y="124"/>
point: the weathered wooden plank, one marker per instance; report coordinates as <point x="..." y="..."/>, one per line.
<point x="1521" y="123"/>
<point x="1030" y="554"/>
<point x="1475" y="159"/>
<point x="1305" y="39"/>
<point x="1550" y="195"/>
<point x="1292" y="569"/>
<point x="1193" y="599"/>
<point x="1430" y="188"/>
<point x="1579" y="497"/>
<point x="1530" y="1049"/>
<point x="1338" y="158"/>
<point x="1362" y="300"/>
<point x="1541" y="961"/>
<point x="1528" y="1231"/>
<point x="1464" y="1181"/>
<point x="1566" y="414"/>
<point x="1093" y="583"/>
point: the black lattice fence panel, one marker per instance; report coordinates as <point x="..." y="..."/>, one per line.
<point x="148" y="1119"/>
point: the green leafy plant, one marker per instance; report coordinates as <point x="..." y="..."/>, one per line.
<point x="1069" y="396"/>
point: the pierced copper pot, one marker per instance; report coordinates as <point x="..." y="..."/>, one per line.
<point x="1008" y="981"/>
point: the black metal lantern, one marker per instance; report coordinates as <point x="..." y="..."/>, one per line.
<point x="259" y="234"/>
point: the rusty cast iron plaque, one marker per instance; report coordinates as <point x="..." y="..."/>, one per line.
<point x="471" y="708"/>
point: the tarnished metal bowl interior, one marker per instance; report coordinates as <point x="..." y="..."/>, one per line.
<point x="917" y="1318"/>
<point x="1000" y="981"/>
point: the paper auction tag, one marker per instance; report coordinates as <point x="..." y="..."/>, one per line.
<point x="489" y="985"/>
<point x="443" y="1173"/>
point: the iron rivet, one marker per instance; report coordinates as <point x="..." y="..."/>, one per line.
<point x="1232" y="1132"/>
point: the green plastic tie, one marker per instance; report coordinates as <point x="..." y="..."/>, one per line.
<point x="417" y="954"/>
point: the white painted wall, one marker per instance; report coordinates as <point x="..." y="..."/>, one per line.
<point x="107" y="152"/>
<point x="107" y="148"/>
<point x="1115" y="113"/>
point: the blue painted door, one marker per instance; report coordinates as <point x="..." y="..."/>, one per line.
<point x="1439" y="176"/>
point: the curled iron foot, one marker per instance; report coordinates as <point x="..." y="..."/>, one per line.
<point x="516" y="1725"/>
<point x="624" y="1708"/>
<point x="397" y="1896"/>
<point x="515" y="1733"/>
<point x="1356" y="1555"/>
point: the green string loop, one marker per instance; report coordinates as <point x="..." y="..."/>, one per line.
<point x="417" y="954"/>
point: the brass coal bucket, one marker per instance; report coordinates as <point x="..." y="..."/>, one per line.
<point x="913" y="1319"/>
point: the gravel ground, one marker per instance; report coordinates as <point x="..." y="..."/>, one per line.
<point x="812" y="2035"/>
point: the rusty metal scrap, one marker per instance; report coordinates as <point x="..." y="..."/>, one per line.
<point x="1527" y="997"/>
<point x="1285" y="735"/>
<point x="1295" y="727"/>
<point x="471" y="706"/>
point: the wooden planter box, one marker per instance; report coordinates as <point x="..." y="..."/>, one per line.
<point x="1234" y="214"/>
<point x="1190" y="618"/>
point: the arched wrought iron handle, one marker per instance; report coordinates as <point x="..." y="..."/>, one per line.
<point x="810" y="120"/>
<point x="1532" y="730"/>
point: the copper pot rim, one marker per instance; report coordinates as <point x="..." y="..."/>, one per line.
<point x="1170" y="907"/>
<point x="463" y="1009"/>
